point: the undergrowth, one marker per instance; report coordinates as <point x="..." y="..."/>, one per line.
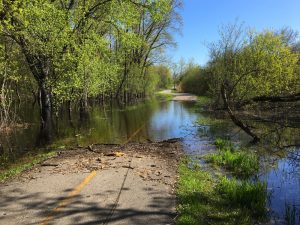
<point x="24" y="164"/>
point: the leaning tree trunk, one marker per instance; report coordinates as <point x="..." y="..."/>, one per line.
<point x="235" y="119"/>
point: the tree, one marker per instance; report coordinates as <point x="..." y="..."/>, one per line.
<point x="163" y="74"/>
<point x="194" y="80"/>
<point x="81" y="49"/>
<point x="152" y="31"/>
<point x="252" y="67"/>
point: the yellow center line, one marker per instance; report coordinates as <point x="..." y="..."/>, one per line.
<point x="134" y="134"/>
<point x="79" y="187"/>
<point x="67" y="199"/>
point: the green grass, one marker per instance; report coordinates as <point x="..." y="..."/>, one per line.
<point x="24" y="164"/>
<point x="291" y="213"/>
<point x="223" y="144"/>
<point x="207" y="121"/>
<point x="203" y="102"/>
<point x="164" y="96"/>
<point x="246" y="194"/>
<point x="242" y="164"/>
<point x="203" y="199"/>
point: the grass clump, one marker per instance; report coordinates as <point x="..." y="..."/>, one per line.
<point x="223" y="144"/>
<point x="291" y="217"/>
<point x="24" y="164"/>
<point x="241" y="163"/>
<point x="246" y="194"/>
<point x="203" y="199"/>
<point x="207" y="121"/>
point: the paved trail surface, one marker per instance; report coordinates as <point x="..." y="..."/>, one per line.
<point x="96" y="186"/>
<point x="180" y="96"/>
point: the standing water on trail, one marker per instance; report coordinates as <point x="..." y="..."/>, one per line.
<point x="158" y="121"/>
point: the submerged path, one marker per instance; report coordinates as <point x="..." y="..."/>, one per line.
<point x="130" y="184"/>
<point x="180" y="96"/>
<point x="104" y="184"/>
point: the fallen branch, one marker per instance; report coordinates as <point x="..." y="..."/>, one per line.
<point x="50" y="164"/>
<point x="90" y="148"/>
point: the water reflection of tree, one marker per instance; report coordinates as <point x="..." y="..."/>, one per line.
<point x="105" y="123"/>
<point x="278" y="135"/>
<point x="294" y="160"/>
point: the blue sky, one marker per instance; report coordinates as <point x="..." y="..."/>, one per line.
<point x="202" y="19"/>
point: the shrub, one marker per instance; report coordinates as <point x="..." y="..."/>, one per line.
<point x="195" y="81"/>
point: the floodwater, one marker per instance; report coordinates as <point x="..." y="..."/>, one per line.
<point x="159" y="120"/>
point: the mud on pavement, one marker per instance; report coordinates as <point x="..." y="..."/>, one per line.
<point x="132" y="184"/>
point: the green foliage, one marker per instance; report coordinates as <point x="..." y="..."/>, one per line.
<point x="194" y="80"/>
<point x="24" y="164"/>
<point x="241" y="163"/>
<point x="203" y="103"/>
<point x="224" y="144"/>
<point x="208" y="121"/>
<point x="164" y="96"/>
<point x="251" y="64"/>
<point x="204" y="200"/>
<point x="273" y="65"/>
<point x="163" y="75"/>
<point x="291" y="215"/>
<point x="245" y="194"/>
<point x="80" y="50"/>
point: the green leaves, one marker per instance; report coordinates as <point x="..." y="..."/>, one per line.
<point x="274" y="63"/>
<point x="158" y="8"/>
<point x="254" y="64"/>
<point x="86" y="49"/>
<point x="46" y="28"/>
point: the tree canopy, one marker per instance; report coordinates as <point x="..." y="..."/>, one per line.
<point x="74" y="50"/>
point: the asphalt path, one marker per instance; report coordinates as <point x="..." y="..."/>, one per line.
<point x="84" y="187"/>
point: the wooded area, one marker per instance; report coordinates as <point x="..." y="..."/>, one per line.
<point x="248" y="69"/>
<point x="102" y="122"/>
<point x="69" y="51"/>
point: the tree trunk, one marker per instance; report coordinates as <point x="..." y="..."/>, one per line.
<point x="124" y="78"/>
<point x="45" y="135"/>
<point x="83" y="111"/>
<point x="45" y="104"/>
<point x="69" y="108"/>
<point x="17" y="92"/>
<point x="40" y="66"/>
<point x="235" y="120"/>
